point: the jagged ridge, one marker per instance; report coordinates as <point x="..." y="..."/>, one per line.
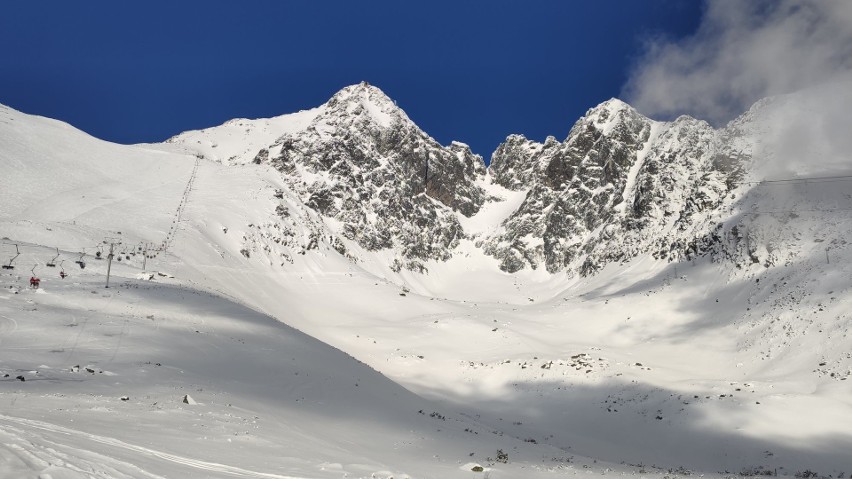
<point x="619" y="185"/>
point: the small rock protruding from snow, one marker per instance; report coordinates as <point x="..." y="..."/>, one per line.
<point x="187" y="399"/>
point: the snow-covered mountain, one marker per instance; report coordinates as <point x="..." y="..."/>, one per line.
<point x="362" y="163"/>
<point x="644" y="297"/>
<point x="619" y="186"/>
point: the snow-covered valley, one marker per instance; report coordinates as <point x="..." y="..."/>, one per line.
<point x="263" y="338"/>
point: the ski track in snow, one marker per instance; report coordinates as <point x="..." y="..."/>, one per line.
<point x="49" y="450"/>
<point x="7" y="326"/>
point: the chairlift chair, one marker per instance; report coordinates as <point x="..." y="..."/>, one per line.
<point x="62" y="274"/>
<point x="80" y="261"/>
<point x="10" y="265"/>
<point x="34" y="280"/>
<point x="52" y="263"/>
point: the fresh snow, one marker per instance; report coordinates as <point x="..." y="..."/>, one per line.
<point x="238" y="141"/>
<point x="492" y="214"/>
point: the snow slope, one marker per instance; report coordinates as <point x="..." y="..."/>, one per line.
<point x="60" y="176"/>
<point x="238" y="141"/>
<point x="106" y="372"/>
<point x="305" y="363"/>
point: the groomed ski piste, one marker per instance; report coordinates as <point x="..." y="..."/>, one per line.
<point x="219" y="362"/>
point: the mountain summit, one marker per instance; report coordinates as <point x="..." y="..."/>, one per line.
<point x="359" y="159"/>
<point x="619" y="185"/>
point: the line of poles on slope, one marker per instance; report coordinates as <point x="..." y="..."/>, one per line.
<point x="170" y="236"/>
<point x="148" y="250"/>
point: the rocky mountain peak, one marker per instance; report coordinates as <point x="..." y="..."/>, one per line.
<point x="367" y="102"/>
<point x="594" y="138"/>
<point x="612" y="118"/>
<point x="608" y="111"/>
<point x="618" y="185"/>
<point x="364" y="163"/>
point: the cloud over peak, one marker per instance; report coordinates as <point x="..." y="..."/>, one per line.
<point x="743" y="51"/>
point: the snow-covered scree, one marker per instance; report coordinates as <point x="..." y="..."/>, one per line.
<point x="264" y="339"/>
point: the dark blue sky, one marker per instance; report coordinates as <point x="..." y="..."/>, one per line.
<point x="473" y="71"/>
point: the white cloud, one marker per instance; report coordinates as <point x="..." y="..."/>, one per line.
<point x="744" y="51"/>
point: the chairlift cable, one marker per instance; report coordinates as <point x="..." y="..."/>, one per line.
<point x="813" y="179"/>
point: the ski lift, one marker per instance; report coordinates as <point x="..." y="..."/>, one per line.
<point x="52" y="263"/>
<point x="80" y="261"/>
<point x="62" y="274"/>
<point x="34" y="280"/>
<point x="17" y="253"/>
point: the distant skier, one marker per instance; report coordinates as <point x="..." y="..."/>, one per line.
<point x="34" y="282"/>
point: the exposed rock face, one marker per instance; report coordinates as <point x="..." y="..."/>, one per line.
<point x="620" y="185"/>
<point x="364" y="163"/>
